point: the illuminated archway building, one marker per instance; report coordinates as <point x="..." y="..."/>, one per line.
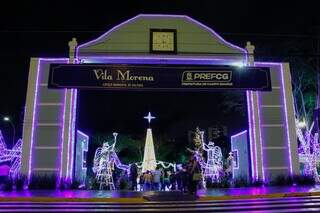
<point x="49" y="132"/>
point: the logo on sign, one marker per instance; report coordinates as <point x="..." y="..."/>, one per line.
<point x="206" y="76"/>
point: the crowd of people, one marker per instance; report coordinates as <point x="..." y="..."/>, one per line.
<point x="186" y="178"/>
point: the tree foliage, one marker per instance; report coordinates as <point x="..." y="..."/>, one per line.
<point x="303" y="66"/>
<point x="304" y="80"/>
<point x="129" y="150"/>
<point x="234" y="102"/>
<point x="168" y="149"/>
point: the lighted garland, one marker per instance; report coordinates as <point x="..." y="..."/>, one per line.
<point x="164" y="165"/>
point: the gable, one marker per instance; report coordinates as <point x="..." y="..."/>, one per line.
<point x="132" y="37"/>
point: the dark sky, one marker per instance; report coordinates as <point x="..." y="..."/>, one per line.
<point x="43" y="28"/>
<point x="176" y="112"/>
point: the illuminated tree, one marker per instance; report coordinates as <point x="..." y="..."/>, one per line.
<point x="233" y="102"/>
<point x="304" y="81"/>
<point x="309" y="151"/>
<point x="197" y="141"/>
<point x="304" y="90"/>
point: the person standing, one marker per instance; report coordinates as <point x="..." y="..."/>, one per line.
<point x="156" y="179"/>
<point x="162" y="187"/>
<point x="229" y="168"/>
<point x="133" y="176"/>
<point x="194" y="172"/>
<point x="147" y="177"/>
<point x="141" y="181"/>
<point x="184" y="178"/>
<point x="179" y="179"/>
<point x="166" y="180"/>
<point x="173" y="181"/>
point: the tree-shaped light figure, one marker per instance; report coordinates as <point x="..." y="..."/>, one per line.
<point x="198" y="140"/>
<point x="198" y="145"/>
<point x="309" y="150"/>
<point x="149" y="157"/>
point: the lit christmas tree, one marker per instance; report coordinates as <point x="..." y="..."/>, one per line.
<point x="149" y="157"/>
<point x="197" y="140"/>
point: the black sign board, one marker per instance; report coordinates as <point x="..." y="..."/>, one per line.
<point x="158" y="77"/>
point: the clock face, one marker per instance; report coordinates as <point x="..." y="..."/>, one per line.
<point x="163" y="41"/>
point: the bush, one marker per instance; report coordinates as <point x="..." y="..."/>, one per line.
<point x="123" y="184"/>
<point x="211" y="184"/>
<point x="43" y="182"/>
<point x="75" y="184"/>
<point x="93" y="184"/>
<point x="63" y="185"/>
<point x="256" y="183"/>
<point x="241" y="182"/>
<point x="302" y="180"/>
<point x="282" y="180"/>
<point x="20" y="181"/>
<point x="224" y="182"/>
<point x="7" y="184"/>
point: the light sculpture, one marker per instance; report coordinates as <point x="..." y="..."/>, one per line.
<point x="149" y="157"/>
<point x="13" y="155"/>
<point x="309" y="150"/>
<point x="104" y="160"/>
<point x="213" y="166"/>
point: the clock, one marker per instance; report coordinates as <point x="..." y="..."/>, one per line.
<point x="163" y="41"/>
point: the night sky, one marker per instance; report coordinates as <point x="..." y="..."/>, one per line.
<point x="34" y="29"/>
<point x="176" y="113"/>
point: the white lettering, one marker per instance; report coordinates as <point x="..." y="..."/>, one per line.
<point x="125" y="76"/>
<point x="99" y="73"/>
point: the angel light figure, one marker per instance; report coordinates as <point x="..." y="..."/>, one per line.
<point x="213" y="165"/>
<point x="103" y="164"/>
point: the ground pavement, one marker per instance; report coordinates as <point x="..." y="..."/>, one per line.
<point x="257" y="199"/>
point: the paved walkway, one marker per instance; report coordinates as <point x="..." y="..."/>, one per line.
<point x="250" y="191"/>
<point x="286" y="205"/>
